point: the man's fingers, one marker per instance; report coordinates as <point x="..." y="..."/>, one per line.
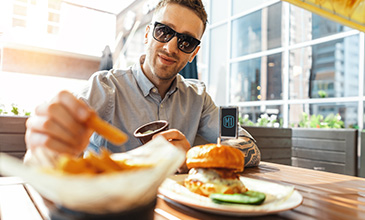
<point x="176" y="138"/>
<point x="37" y="139"/>
<point x="54" y="129"/>
<point x="77" y="108"/>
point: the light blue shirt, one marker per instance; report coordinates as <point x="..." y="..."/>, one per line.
<point x="127" y="99"/>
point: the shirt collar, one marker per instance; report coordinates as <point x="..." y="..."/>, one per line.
<point x="145" y="84"/>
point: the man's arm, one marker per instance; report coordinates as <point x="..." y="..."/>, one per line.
<point x="249" y="149"/>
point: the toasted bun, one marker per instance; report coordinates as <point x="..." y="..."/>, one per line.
<point x="215" y="156"/>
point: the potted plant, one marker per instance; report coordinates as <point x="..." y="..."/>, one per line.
<point x="12" y="130"/>
<point x="322" y="143"/>
<point x="273" y="141"/>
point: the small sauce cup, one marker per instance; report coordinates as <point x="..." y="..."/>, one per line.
<point x="145" y="132"/>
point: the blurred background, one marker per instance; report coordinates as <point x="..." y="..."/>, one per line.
<point x="265" y="56"/>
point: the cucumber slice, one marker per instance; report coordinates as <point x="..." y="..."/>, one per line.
<point x="249" y="198"/>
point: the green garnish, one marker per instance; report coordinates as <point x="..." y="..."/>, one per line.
<point x="249" y="198"/>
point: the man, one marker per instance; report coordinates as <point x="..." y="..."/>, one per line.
<point x="150" y="90"/>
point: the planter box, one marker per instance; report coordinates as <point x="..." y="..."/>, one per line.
<point x="12" y="132"/>
<point x="275" y="144"/>
<point x="332" y="150"/>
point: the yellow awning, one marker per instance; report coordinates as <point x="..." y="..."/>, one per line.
<point x="347" y="12"/>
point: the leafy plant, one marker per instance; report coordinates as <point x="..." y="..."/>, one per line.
<point x="14" y="110"/>
<point x="245" y="121"/>
<point x="264" y="121"/>
<point x="318" y="121"/>
<point x="322" y="94"/>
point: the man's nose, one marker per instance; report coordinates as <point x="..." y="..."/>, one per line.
<point x="171" y="46"/>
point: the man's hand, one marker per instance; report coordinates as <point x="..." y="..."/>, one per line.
<point x="179" y="140"/>
<point x="60" y="125"/>
<point x="176" y="138"/>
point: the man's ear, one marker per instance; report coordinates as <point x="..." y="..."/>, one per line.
<point x="194" y="54"/>
<point x="146" y="34"/>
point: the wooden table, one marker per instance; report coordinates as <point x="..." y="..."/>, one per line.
<point x="326" y="196"/>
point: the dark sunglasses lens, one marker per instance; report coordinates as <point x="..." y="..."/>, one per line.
<point x="187" y="44"/>
<point x="162" y="33"/>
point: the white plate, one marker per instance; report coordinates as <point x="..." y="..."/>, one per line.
<point x="278" y="197"/>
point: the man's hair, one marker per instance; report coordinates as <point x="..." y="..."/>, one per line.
<point x="195" y="5"/>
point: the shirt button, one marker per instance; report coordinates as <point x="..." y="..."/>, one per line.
<point x="154" y="90"/>
<point x="161" y="106"/>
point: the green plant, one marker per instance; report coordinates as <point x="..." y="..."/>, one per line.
<point x="322" y="94"/>
<point x="264" y="121"/>
<point x="318" y="121"/>
<point x="245" y="121"/>
<point x="14" y="110"/>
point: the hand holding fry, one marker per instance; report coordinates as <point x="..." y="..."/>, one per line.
<point x="65" y="124"/>
<point x="106" y="130"/>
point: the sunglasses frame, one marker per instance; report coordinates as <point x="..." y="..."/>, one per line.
<point x="175" y="34"/>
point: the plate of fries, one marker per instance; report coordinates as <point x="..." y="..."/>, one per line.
<point x="103" y="183"/>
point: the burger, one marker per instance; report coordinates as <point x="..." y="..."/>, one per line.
<point x="214" y="169"/>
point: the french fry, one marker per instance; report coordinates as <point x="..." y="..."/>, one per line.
<point x="95" y="164"/>
<point x="106" y="130"/>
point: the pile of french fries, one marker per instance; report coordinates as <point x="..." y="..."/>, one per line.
<point x="95" y="164"/>
<point x="102" y="163"/>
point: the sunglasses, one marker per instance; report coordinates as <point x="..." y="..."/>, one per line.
<point x="163" y="33"/>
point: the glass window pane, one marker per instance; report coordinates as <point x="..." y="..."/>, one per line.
<point x="52" y="29"/>
<point x="53" y="17"/>
<point x="305" y="26"/>
<point x="257" y="79"/>
<point x="249" y="116"/>
<point x="18" y="22"/>
<point x="257" y="31"/>
<point x="246" y="35"/>
<point x="219" y="10"/>
<point x="325" y="70"/>
<point x="20" y="10"/>
<point x="217" y="65"/>
<point x="240" y="6"/>
<point x="347" y="111"/>
<point x="54" y="4"/>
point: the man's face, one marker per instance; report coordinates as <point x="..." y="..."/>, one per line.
<point x="164" y="60"/>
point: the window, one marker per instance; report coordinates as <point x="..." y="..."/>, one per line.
<point x="282" y="55"/>
<point x="240" y="6"/>
<point x="256" y="79"/>
<point x="19" y="22"/>
<point x="305" y="26"/>
<point x="347" y="111"/>
<point x="53" y="17"/>
<point x="325" y="70"/>
<point x="258" y="31"/>
<point x="54" y="4"/>
<point x="255" y="112"/>
<point x="20" y="12"/>
<point x="218" y="64"/>
<point x="219" y="11"/>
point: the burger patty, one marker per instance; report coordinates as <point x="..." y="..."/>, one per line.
<point x="205" y="181"/>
